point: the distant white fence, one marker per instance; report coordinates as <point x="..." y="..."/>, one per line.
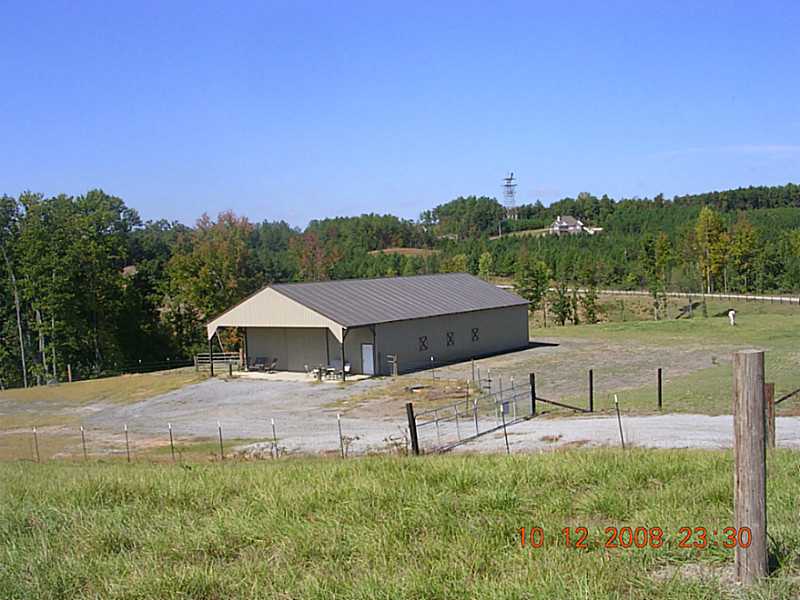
<point x="698" y="295"/>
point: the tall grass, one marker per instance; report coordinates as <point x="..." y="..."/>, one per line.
<point x="437" y="527"/>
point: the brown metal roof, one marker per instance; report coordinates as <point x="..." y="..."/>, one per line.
<point x="354" y="302"/>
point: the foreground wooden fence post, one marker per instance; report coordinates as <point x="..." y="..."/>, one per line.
<point x="533" y="394"/>
<point x="412" y="428"/>
<point x="750" y="477"/>
<point x="591" y="390"/>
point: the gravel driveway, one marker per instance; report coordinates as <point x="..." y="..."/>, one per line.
<point x="660" y="431"/>
<point x="306" y="423"/>
<point x="303" y="418"/>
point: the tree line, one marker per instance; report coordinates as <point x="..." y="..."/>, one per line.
<point x="85" y="282"/>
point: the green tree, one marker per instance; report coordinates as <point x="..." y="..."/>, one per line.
<point x="9" y="232"/>
<point x="709" y="231"/>
<point x="561" y="302"/>
<point x="531" y="280"/>
<point x="213" y="268"/>
<point x="656" y="260"/>
<point x="589" y="303"/>
<point x="465" y="217"/>
<point x="743" y="250"/>
<point x="574" y="307"/>
<point x="485" y="265"/>
<point x="457" y="264"/>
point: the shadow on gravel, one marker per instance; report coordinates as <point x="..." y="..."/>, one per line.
<point x="532" y="345"/>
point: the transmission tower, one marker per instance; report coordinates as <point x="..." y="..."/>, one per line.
<point x="510" y="195"/>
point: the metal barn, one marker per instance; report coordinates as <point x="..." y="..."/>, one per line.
<point x="365" y="326"/>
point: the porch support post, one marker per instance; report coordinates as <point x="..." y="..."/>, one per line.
<point x="211" y="355"/>
<point x="376" y="369"/>
<point x="344" y="360"/>
<point x="246" y="365"/>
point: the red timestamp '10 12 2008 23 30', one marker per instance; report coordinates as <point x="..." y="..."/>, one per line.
<point x="640" y="537"/>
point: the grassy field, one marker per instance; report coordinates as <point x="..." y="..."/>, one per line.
<point x="773" y="328"/>
<point x="437" y="527"/>
<point x="110" y="390"/>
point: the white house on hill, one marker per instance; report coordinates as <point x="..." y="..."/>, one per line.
<point x="569" y="225"/>
<point x="566" y="224"/>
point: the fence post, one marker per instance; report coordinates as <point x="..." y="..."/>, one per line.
<point x="750" y="481"/>
<point x="127" y="444"/>
<point x="619" y="422"/>
<point x="69" y="373"/>
<point x="171" y="442"/>
<point x="659" y="388"/>
<point x="274" y="437"/>
<point x="230" y="369"/>
<point x="500" y="384"/>
<point x="505" y="433"/>
<point x="591" y="390"/>
<point x="513" y="400"/>
<point x="412" y="428"/>
<point x="83" y="444"/>
<point x="36" y="444"/>
<point x="769" y="401"/>
<point x="533" y="393"/>
<point x="211" y="357"/>
<point x="221" y="449"/>
<point x="341" y="439"/>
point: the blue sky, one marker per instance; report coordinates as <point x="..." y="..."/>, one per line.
<point x="301" y="110"/>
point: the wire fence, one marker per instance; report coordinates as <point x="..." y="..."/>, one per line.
<point x="444" y="427"/>
<point x="192" y="441"/>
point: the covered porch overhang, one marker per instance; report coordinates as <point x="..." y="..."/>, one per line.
<point x="269" y="314"/>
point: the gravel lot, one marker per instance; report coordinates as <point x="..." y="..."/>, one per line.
<point x="306" y="423"/>
<point x="373" y="414"/>
<point x="661" y="431"/>
<point x="303" y="420"/>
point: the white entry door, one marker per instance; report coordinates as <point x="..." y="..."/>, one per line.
<point x="367" y="359"/>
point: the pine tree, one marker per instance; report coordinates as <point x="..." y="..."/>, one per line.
<point x="485" y="265"/>
<point x="531" y="280"/>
